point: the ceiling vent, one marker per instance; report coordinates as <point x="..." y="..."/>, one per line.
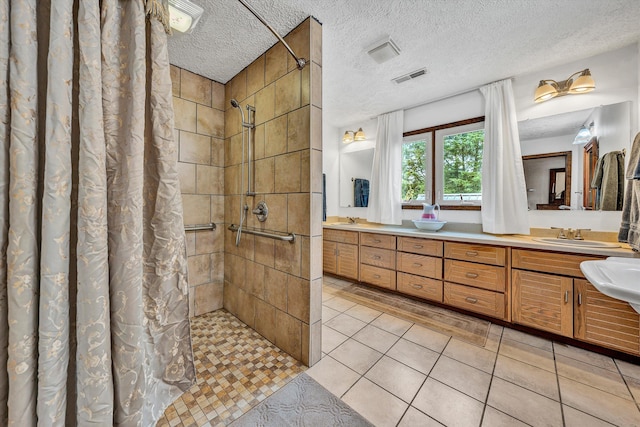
<point x="383" y="50"/>
<point x="412" y="75"/>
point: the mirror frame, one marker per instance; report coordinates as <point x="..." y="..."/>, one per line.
<point x="567" y="168"/>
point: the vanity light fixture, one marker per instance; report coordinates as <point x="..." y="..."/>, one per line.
<point x="184" y="15"/>
<point x="353" y="135"/>
<point x="548" y="89"/>
<point x="584" y="134"/>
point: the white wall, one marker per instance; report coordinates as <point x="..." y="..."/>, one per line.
<point x="617" y="77"/>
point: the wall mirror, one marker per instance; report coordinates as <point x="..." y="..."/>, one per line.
<point x="547" y="146"/>
<point x="355" y="176"/>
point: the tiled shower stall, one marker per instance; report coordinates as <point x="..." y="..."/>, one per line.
<point x="272" y="286"/>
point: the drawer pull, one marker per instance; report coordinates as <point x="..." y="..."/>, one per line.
<point x="377" y="241"/>
<point x="377" y="276"/>
<point x="416" y="286"/>
<point x="418" y="246"/>
<point x="471" y="275"/>
<point x="375" y="257"/>
<point x="472" y="253"/>
<point x="579" y="298"/>
<point x="417" y="264"/>
<point x="471" y="300"/>
<point x="566" y="296"/>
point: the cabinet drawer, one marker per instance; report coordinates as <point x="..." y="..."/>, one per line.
<point x="420" y="265"/>
<point x="378" y="276"/>
<point x="340" y="236"/>
<point x="474" y="299"/>
<point x="383" y="241"/>
<point x="549" y="262"/>
<point x="420" y="246"/>
<point x="479" y="275"/>
<point x="475" y="253"/>
<point x="420" y="286"/>
<point x="384" y="258"/>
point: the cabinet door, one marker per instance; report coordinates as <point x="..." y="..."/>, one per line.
<point x="543" y="301"/>
<point x="329" y="252"/>
<point x="605" y="321"/>
<point x="347" y="261"/>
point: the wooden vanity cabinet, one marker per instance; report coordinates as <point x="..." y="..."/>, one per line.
<point x="419" y="266"/>
<point x="378" y="260"/>
<point x="476" y="278"/>
<point x="340" y="253"/>
<point x="604" y="321"/>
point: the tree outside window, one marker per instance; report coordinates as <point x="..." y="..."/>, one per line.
<point x="462" y="165"/>
<point x="413" y="170"/>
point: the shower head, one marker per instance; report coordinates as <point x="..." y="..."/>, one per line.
<point x="235" y="103"/>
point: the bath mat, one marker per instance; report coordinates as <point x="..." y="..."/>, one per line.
<point x="302" y="402"/>
<point x="461" y="326"/>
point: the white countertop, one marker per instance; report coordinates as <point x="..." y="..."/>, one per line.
<point x="450" y="233"/>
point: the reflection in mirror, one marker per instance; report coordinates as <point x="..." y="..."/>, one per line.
<point x="355" y="173"/>
<point x="548" y="180"/>
<point x="547" y="136"/>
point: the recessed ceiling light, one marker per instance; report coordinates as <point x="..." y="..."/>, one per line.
<point x="383" y="50"/>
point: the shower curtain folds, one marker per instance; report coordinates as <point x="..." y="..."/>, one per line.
<point x="94" y="315"/>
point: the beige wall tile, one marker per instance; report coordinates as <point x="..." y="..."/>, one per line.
<point x="230" y="297"/>
<point x="299" y="129"/>
<point x="232" y="122"/>
<point x="316" y="41"/>
<point x="266" y="320"/>
<point x="316" y="128"/>
<point x="289" y="334"/>
<point x="217" y="152"/>
<point x="195" y="88"/>
<point x="316" y="85"/>
<point x="209" y="179"/>
<point x="195" y="148"/>
<point x="315" y="170"/>
<point x="305" y="257"/>
<point x="311" y="343"/>
<point x="217" y="266"/>
<point x="208" y="297"/>
<point x="298" y="213"/>
<point x="265" y="251"/>
<point x="175" y="80"/>
<point x="316" y="214"/>
<point x="233" y="150"/>
<point x="287" y="178"/>
<point x="255" y="279"/>
<point x="315" y="258"/>
<point x="196" y="209"/>
<point x="236" y="88"/>
<point x="277" y="219"/>
<point x="287" y="257"/>
<point x="305" y="86"/>
<point x="199" y="268"/>
<point x="246" y="308"/>
<point x="255" y="75"/>
<point x="275" y="288"/>
<point x="275" y="63"/>
<point x="187" y="177"/>
<point x="305" y="171"/>
<point x="258" y="141"/>
<point x="217" y="210"/>
<point x="185" y="114"/>
<point x="315" y="301"/>
<point x="232" y="179"/>
<point x="299" y="39"/>
<point x="231" y="214"/>
<point x="298" y="298"/>
<point x="265" y="104"/>
<point x="192" y="302"/>
<point x="206" y="241"/>
<point x="235" y="270"/>
<point x="264" y="170"/>
<point x="217" y="96"/>
<point x="275" y="137"/>
<point x="210" y="121"/>
<point x="191" y="242"/>
<point x="288" y="92"/>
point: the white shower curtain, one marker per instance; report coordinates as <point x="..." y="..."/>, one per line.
<point x="504" y="196"/>
<point x="94" y="325"/>
<point x="385" y="198"/>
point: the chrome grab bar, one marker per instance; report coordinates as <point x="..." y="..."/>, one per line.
<point x="198" y="227"/>
<point x="287" y="238"/>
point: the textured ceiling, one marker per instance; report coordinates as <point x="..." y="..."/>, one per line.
<point x="462" y="43"/>
<point x="555" y="125"/>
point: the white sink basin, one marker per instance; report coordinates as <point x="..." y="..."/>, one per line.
<point x="615" y="277"/>
<point x="579" y="243"/>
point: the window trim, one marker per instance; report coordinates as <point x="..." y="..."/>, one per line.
<point x="432" y="130"/>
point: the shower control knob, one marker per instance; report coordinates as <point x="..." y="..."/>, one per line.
<point x="261" y="211"/>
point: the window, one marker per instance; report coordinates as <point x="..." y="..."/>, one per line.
<point x="453" y="173"/>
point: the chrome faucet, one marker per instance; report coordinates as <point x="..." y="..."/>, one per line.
<point x="570" y="233"/>
<point x="352" y="220"/>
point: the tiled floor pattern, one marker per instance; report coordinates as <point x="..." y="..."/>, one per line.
<point x="236" y="369"/>
<point x="397" y="373"/>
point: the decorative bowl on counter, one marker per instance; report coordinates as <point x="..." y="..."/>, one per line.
<point x="429" y="225"/>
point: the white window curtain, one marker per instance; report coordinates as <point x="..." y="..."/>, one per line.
<point x="504" y="196"/>
<point x="385" y="203"/>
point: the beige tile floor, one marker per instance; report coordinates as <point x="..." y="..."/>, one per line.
<point x="396" y="373"/>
